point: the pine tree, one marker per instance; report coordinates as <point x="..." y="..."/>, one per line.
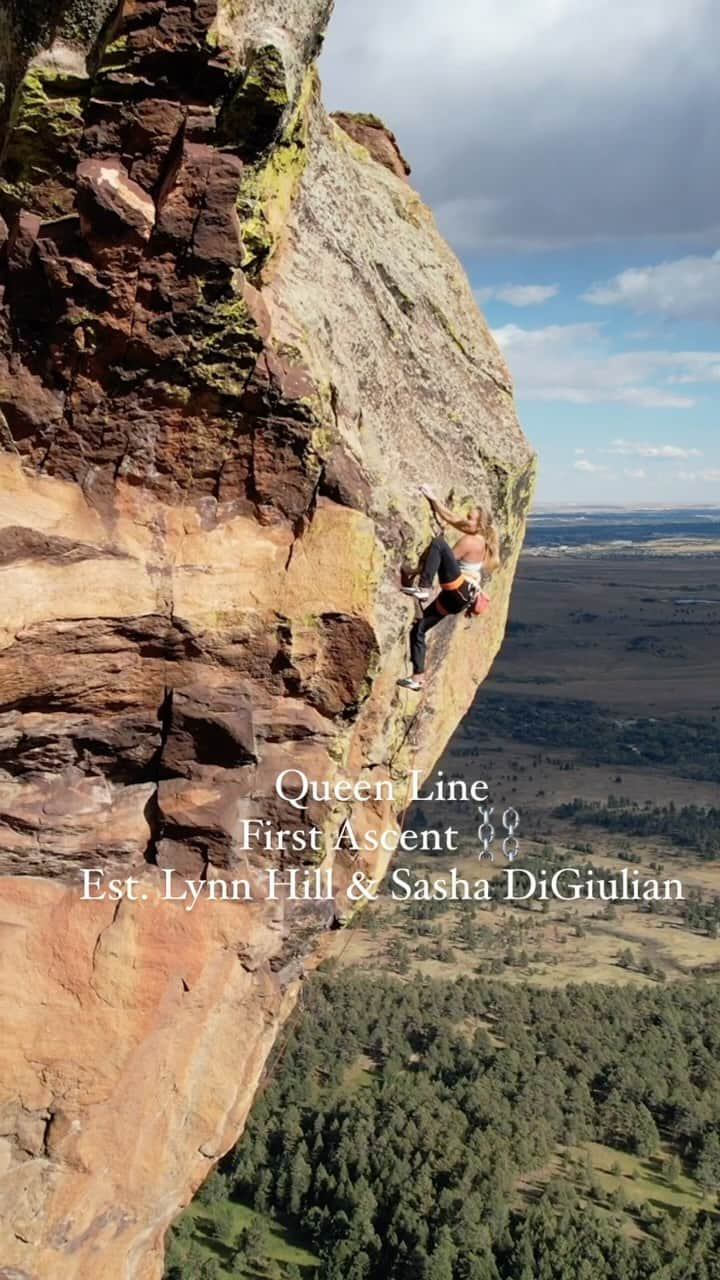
<point x="194" y="1258"/>
<point x="224" y="1222"/>
<point x="255" y="1238"/>
<point x="211" y="1270"/>
<point x="300" y="1180"/>
<point x="214" y="1189"/>
<point x="264" y="1191"/>
<point x="440" y="1264"/>
<point x="708" y="1165"/>
<point x="644" y="1133"/>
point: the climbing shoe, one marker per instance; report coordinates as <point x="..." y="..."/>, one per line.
<point x="417" y="593"/>
<point x="408" y="682"/>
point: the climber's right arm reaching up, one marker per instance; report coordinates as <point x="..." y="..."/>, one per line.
<point x="464" y="523"/>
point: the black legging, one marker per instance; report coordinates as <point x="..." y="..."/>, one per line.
<point x="439" y="559"/>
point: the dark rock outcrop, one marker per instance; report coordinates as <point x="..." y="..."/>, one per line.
<point x="375" y="136"/>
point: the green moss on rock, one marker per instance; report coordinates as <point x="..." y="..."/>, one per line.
<point x="228" y="350"/>
<point x="46" y="123"/>
<point x="252" y="118"/>
<point x="365" y="117"/>
<point x="116" y="56"/>
<point x="269" y="186"/>
<point x="83" y="19"/>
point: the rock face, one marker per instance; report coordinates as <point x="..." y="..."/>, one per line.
<point x="232" y="345"/>
<point x="372" y="134"/>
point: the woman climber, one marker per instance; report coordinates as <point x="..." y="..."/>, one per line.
<point x="460" y="574"/>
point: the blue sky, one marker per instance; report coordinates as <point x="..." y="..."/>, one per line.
<point x="569" y="150"/>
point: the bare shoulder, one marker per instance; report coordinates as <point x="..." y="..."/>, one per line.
<point x="471" y="546"/>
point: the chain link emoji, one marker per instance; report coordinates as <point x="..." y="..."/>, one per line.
<point x="511" y="843"/>
<point x="486" y="834"/>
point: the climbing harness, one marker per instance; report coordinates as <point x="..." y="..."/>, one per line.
<point x="480" y="604"/>
<point x="479" y="600"/>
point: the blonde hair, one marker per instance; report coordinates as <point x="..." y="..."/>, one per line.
<point x="486" y="528"/>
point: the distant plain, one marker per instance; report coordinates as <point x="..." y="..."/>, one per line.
<point x="607" y="689"/>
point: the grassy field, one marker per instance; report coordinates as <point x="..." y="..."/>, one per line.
<point x="283" y="1246"/>
<point x="562" y="942"/>
<point x="626" y="1188"/>
<point x="359" y="1075"/>
<point x="642" y="1180"/>
<point x="616" y="632"/>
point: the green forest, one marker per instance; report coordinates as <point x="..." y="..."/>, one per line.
<point x="467" y="1130"/>
<point x="689" y="826"/>
<point x="690" y="748"/>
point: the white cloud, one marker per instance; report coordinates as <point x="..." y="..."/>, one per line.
<point x="584" y="464"/>
<point x="503" y="112"/>
<point x="710" y="476"/>
<point x="635" y="473"/>
<point x="631" y="449"/>
<point x="575" y="364"/>
<point x="519" y="295"/>
<point x="700" y="367"/>
<point x="686" y="288"/>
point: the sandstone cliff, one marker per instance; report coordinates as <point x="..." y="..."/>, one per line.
<point x="232" y="344"/>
